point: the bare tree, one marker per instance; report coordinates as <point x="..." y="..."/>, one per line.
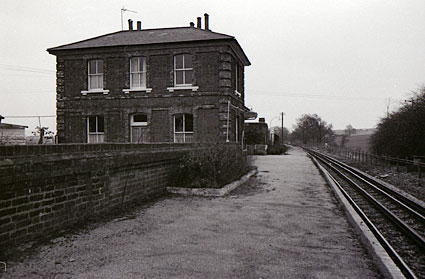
<point x="402" y="133"/>
<point x="311" y="129"/>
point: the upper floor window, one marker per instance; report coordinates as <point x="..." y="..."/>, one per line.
<point x="183" y="128"/>
<point x="95" y="74"/>
<point x="183" y="70"/>
<point x="138" y="72"/>
<point x="95" y="129"/>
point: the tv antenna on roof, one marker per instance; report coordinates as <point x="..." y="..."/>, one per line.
<point x="122" y="12"/>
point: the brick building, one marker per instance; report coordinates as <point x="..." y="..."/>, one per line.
<point x="182" y="84"/>
<point x="257" y="132"/>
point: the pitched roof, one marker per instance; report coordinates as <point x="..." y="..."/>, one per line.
<point x="147" y="37"/>
<point x="144" y="37"/>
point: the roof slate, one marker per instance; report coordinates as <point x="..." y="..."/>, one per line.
<point x="145" y="37"/>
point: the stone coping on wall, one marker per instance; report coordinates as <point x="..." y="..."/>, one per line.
<point x="34" y="150"/>
<point x="209" y="192"/>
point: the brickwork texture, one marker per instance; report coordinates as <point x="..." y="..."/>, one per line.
<point x="45" y="189"/>
<point x="214" y="73"/>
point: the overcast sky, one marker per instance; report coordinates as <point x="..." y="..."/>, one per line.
<point x="344" y="60"/>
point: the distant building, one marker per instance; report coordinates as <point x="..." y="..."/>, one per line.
<point x="11" y="133"/>
<point x="174" y="85"/>
<point x="257" y="132"/>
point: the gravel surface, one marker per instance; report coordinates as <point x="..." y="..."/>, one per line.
<point x="284" y="223"/>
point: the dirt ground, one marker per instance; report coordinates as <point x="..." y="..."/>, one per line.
<point x="284" y="223"/>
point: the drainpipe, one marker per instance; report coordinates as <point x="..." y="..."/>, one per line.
<point x="228" y="116"/>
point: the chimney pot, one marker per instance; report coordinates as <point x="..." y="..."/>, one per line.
<point x="262" y="120"/>
<point x="198" y="25"/>
<point x="192" y="24"/>
<point x="207" y="23"/>
<point x="130" y="25"/>
<point x="139" y="25"/>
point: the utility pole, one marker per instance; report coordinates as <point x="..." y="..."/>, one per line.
<point x="281" y="129"/>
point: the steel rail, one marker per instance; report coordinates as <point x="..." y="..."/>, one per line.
<point x="398" y="260"/>
<point x="411" y="206"/>
<point x="387" y="246"/>
<point x="396" y="220"/>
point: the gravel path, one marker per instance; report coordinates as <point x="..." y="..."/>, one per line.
<point x="282" y="224"/>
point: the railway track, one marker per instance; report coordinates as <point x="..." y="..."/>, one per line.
<point x="397" y="221"/>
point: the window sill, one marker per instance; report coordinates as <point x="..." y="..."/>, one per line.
<point x="187" y="87"/>
<point x="94" y="91"/>
<point x="237" y="93"/>
<point x="147" y="90"/>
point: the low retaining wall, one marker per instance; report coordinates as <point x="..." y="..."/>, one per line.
<point x="44" y="189"/>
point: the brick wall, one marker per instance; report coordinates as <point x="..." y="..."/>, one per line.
<point x="44" y="189"/>
<point x="213" y="72"/>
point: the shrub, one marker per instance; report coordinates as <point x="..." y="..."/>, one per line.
<point x="209" y="167"/>
<point x="276" y="149"/>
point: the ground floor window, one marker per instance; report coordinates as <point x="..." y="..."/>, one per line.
<point x="95" y="129"/>
<point x="183" y="128"/>
<point x="138" y="128"/>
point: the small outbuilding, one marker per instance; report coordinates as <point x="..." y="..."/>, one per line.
<point x="11" y="133"/>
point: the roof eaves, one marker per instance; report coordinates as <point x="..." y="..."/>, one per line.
<point x="78" y="42"/>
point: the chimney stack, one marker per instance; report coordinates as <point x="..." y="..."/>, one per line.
<point x="192" y="24"/>
<point x="199" y="22"/>
<point x="139" y="25"/>
<point x="262" y="120"/>
<point x="130" y="25"/>
<point x="207" y="23"/>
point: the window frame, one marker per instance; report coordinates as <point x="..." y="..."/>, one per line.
<point x="96" y="74"/>
<point x="183" y="70"/>
<point x="138" y="124"/>
<point x="187" y="136"/>
<point x="142" y="73"/>
<point x="99" y="135"/>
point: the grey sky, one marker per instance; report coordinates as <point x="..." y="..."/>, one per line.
<point x="341" y="59"/>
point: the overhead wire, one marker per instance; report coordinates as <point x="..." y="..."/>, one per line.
<point x="254" y="92"/>
<point x="314" y="96"/>
<point x="27" y="69"/>
<point x="28" y="116"/>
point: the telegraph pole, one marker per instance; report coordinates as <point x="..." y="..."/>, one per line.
<point x="281" y="128"/>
